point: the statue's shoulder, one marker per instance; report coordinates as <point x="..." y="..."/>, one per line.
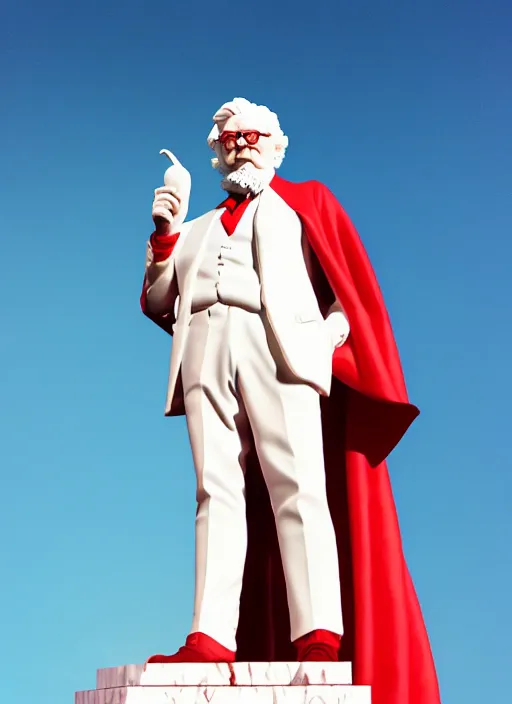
<point x="314" y="187"/>
<point x="301" y="193"/>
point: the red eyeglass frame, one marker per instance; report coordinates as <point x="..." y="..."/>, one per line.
<point x="229" y="139"/>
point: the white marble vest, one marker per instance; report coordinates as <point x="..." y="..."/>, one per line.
<point x="227" y="272"/>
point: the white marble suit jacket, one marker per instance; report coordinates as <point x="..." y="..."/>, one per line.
<point x="304" y="336"/>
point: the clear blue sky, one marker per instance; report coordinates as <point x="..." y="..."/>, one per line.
<point x="404" y="110"/>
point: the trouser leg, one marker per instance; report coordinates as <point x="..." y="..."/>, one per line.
<point x="286" y="422"/>
<point x="216" y="429"/>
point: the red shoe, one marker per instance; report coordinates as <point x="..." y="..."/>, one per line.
<point x="319" y="646"/>
<point x="198" y="648"/>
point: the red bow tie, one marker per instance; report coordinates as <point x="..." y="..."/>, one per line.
<point x="234" y="200"/>
<point x="236" y="205"/>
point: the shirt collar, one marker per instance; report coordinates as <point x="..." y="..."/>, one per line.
<point x="235" y="199"/>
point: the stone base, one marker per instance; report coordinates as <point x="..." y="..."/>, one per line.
<point x="313" y="694"/>
<point x="259" y="674"/>
<point x="222" y="683"/>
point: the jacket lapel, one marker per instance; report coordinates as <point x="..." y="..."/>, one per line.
<point x="189" y="258"/>
<point x="277" y="231"/>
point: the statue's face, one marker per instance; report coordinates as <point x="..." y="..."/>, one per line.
<point x="239" y="149"/>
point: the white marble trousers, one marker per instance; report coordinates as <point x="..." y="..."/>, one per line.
<point x="234" y="376"/>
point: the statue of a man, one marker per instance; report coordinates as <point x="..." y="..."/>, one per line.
<point x="284" y="363"/>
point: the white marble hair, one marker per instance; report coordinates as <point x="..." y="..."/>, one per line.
<point x="264" y="118"/>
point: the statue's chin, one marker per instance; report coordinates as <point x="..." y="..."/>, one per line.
<point x="245" y="164"/>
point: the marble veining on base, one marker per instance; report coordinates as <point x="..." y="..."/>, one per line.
<point x="219" y="674"/>
<point x="314" y="694"/>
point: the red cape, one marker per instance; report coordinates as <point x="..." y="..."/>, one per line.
<point x="363" y="419"/>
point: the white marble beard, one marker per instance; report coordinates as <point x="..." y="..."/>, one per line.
<point x="247" y="179"/>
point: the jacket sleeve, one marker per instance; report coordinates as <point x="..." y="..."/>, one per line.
<point x="160" y="289"/>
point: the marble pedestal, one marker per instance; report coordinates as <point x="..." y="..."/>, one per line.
<point x="222" y="683"/>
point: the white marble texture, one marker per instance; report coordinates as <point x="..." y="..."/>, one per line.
<point x="219" y="674"/>
<point x="313" y="694"/>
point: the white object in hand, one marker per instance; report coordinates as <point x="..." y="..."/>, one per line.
<point x="171" y="201"/>
<point x="178" y="177"/>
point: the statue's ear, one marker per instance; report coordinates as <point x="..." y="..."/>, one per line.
<point x="278" y="155"/>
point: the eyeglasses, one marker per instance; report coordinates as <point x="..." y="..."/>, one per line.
<point x="229" y="139"/>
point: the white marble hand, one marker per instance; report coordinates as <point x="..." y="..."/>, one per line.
<point x="166" y="203"/>
<point x="337" y="325"/>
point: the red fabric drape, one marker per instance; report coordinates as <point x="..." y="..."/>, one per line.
<point x="363" y="419"/>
